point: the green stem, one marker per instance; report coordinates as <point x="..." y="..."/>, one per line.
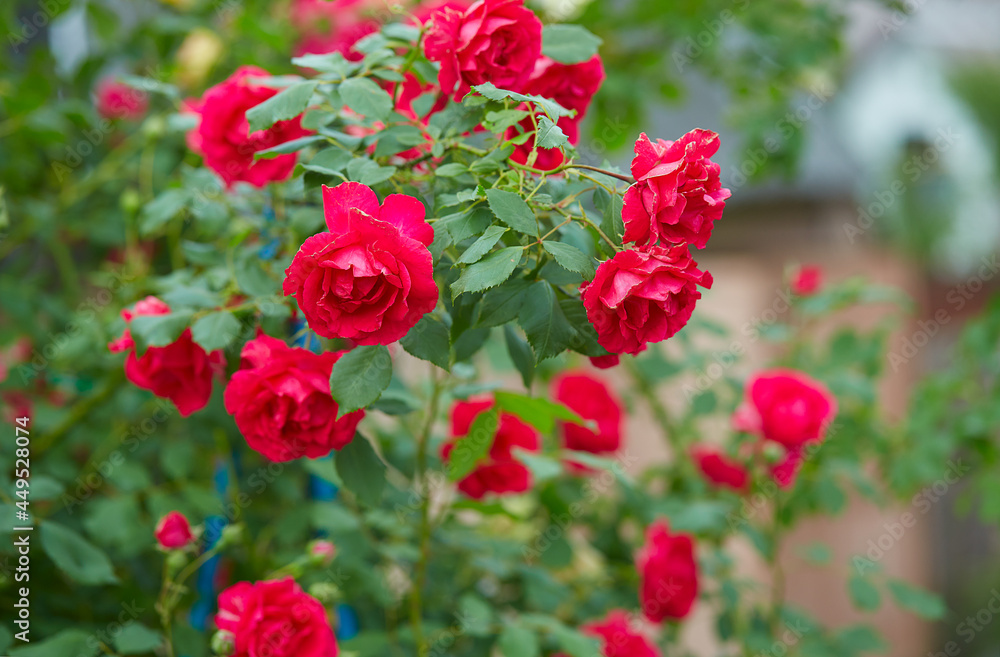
<point x="777" y="574"/>
<point x="659" y="410"/>
<point x="629" y="179"/>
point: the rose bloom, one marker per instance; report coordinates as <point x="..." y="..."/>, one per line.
<point x="669" y="574"/>
<point x="500" y="472"/>
<point x="495" y="41"/>
<point x="181" y="371"/>
<point x="223" y="135"/>
<point x="591" y="399"/>
<point x="173" y="531"/>
<point x="369" y="279"/>
<point x="807" y="280"/>
<point x="677" y="195"/>
<point x="275" y="618"/>
<point x="787" y="469"/>
<point x="116" y="100"/>
<point x="281" y="401"/>
<point x="721" y="470"/>
<point x="642" y="296"/>
<point x="787" y="407"/>
<point x="619" y="638"/>
<point x="571" y="85"/>
<point x="605" y="362"/>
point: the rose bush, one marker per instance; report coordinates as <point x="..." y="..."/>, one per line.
<point x="384" y="349"/>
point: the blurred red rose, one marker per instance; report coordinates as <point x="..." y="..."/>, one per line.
<point x="117" y="100"/>
<point x="720" y="469"/>
<point x="669" y="574"/>
<point x="591" y="399"/>
<point x="500" y="472"/>
<point x="619" y="638"/>
<point x="369" y="279"/>
<point x="495" y="41"/>
<point x="223" y="135"/>
<point x="173" y="531"/>
<point x="281" y="401"/>
<point x="787" y="407"/>
<point x="275" y="618"/>
<point x="181" y="371"/>
<point x="642" y="296"/>
<point x="787" y="469"/>
<point x="807" y="280"/>
<point x="605" y="362"/>
<point x="677" y="195"/>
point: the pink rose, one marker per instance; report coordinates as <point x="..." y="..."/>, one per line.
<point x="677" y="195"/>
<point x="369" y="279"/>
<point x="500" y="473"/>
<point x="642" y="296"/>
<point x="223" y="134"/>
<point x="787" y="407"/>
<point x="173" y="531"/>
<point x="720" y="469"/>
<point x="807" y="280"/>
<point x="281" y="401"/>
<point x="275" y="618"/>
<point x="181" y="371"/>
<point x="495" y="41"/>
<point x="116" y="100"/>
<point x="669" y="574"/>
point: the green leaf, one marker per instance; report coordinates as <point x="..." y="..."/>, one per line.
<point x="162" y="209"/>
<point x="158" y="330"/>
<point x="920" y="602"/>
<point x="489" y="272"/>
<point x="451" y="170"/>
<point x="860" y="638"/>
<point x="550" y="135"/>
<point x="191" y="296"/>
<point x="361" y="470"/>
<point x="473" y="447"/>
<point x="520" y="354"/>
<point x="502" y="304"/>
<point x="287" y="147"/>
<point x="543" y="321"/>
<point x="75" y="556"/>
<point x="359" y="377"/>
<point x="137" y="639"/>
<point x="817" y="553"/>
<point x="518" y="641"/>
<point x="575" y="643"/>
<point x="571" y="258"/>
<point x="463" y="225"/>
<point x="864" y="594"/>
<point x="538" y="412"/>
<point x="550" y="107"/>
<point x="429" y="340"/>
<point x="68" y="643"/>
<point x="366" y="98"/>
<point x="216" y="330"/>
<point x="482" y="246"/>
<point x="284" y="105"/>
<point x="569" y="44"/>
<point x="511" y="209"/>
<point x="253" y="278"/>
<point x="476" y="615"/>
<point x="542" y="467"/>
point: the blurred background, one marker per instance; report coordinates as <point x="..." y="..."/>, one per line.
<point x="859" y="136"/>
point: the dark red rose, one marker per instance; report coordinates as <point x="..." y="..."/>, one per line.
<point x="173" y="531"/>
<point x="500" y="473"/>
<point x="275" y="618"/>
<point x="181" y="371"/>
<point x="591" y="399"/>
<point x="720" y="469"/>
<point x="669" y="574"/>
<point x="495" y="41"/>
<point x="369" y="279"/>
<point x="281" y="401"/>
<point x="677" y="196"/>
<point x="223" y="134"/>
<point x="642" y="296"/>
<point x="787" y="407"/>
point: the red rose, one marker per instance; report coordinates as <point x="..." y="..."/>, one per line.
<point x="787" y="469"/>
<point x="116" y="100"/>
<point x="572" y="86"/>
<point x="369" y="279"/>
<point x="173" y="531"/>
<point x="281" y="401"/>
<point x="720" y="469"/>
<point x="181" y="371"/>
<point x="605" y="362"/>
<point x="495" y="41"/>
<point x="275" y="618"/>
<point x="591" y="399"/>
<point x="424" y="11"/>
<point x="677" y="195"/>
<point x="807" y="280"/>
<point x="668" y="572"/>
<point x="223" y="134"/>
<point x="619" y="638"/>
<point x="500" y="472"/>
<point x="641" y="296"/>
<point x="787" y="407"/>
